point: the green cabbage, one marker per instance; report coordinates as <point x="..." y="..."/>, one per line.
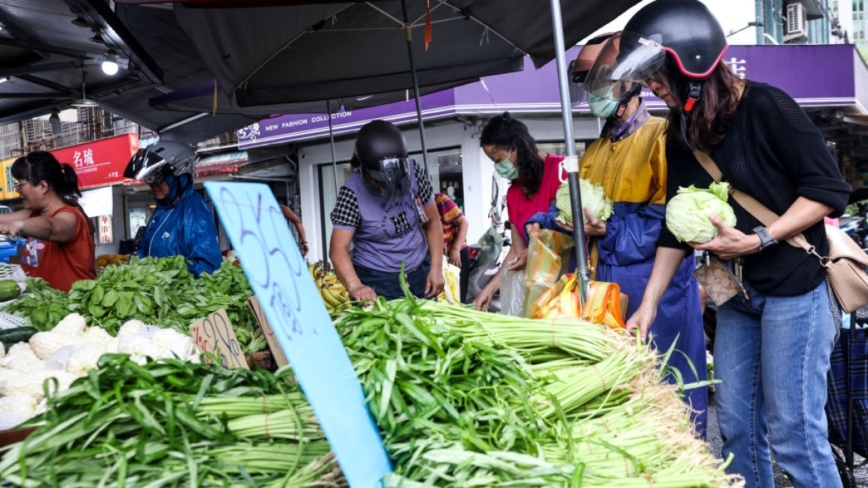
<point x="593" y="197"/>
<point x="687" y="213"/>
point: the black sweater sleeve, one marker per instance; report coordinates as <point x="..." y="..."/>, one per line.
<point x="800" y="147"/>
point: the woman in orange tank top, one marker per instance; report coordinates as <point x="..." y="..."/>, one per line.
<point x="60" y="246"/>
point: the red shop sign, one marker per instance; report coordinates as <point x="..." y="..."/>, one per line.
<point x="102" y="162"/>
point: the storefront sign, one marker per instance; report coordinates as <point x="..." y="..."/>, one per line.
<point x="214" y="334"/>
<point x="815" y="75"/>
<point x="101" y="162"/>
<point x="293" y="306"/>
<point x="6" y="180"/>
<point x="105" y="229"/>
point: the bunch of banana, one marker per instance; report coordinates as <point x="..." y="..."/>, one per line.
<point x="451" y="291"/>
<point x="333" y="293"/>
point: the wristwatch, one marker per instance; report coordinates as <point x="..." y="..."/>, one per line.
<point x="766" y="240"/>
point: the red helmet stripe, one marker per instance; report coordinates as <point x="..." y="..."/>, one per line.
<point x="695" y="75"/>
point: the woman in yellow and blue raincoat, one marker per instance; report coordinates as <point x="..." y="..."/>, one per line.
<point x="629" y="161"/>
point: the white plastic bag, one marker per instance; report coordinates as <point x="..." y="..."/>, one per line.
<point x="513" y="291"/>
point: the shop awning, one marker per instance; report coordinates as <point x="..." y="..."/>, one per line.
<point x="221" y="163"/>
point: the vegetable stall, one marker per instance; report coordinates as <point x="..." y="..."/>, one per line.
<point x="117" y="394"/>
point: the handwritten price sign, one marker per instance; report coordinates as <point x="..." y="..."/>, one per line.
<point x="301" y="326"/>
<point x="214" y="334"/>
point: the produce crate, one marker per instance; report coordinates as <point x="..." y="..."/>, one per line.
<point x="12" y="272"/>
<point x="9" y="437"/>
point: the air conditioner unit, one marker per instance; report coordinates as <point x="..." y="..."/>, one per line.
<point x="796" y="26"/>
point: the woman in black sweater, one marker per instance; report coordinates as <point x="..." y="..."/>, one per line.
<point x="771" y="349"/>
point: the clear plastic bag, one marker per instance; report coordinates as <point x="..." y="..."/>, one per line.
<point x="513" y="291"/>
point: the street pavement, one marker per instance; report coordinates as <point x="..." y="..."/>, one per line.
<point x="715" y="444"/>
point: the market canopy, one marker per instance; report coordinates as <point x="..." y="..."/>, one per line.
<point x="315" y="50"/>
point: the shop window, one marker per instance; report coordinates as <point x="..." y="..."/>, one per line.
<point x="561" y="148"/>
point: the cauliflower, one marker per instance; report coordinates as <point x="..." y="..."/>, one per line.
<point x="131" y="344"/>
<point x="2" y="350"/>
<point x="32" y="383"/>
<point x="44" y="344"/>
<point x="73" y="324"/>
<point x="165" y="337"/>
<point x="6" y="373"/>
<point x="133" y="328"/>
<point x="21" y="350"/>
<point x="85" y="358"/>
<point x="25" y="365"/>
<point x="111" y="347"/>
<point x="183" y="348"/>
<point x="96" y="334"/>
<point x="19" y="403"/>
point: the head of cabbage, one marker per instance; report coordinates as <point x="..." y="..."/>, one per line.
<point x="593" y="197"/>
<point x="687" y="213"/>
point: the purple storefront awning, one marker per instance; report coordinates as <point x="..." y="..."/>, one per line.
<point x="815" y="75"/>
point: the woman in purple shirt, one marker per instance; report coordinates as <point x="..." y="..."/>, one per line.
<point x="385" y="217"/>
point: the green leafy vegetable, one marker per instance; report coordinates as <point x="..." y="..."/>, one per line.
<point x="687" y="213"/>
<point x="593" y="198"/>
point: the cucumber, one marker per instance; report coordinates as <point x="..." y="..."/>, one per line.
<point x="9" y="290"/>
<point x="9" y="337"/>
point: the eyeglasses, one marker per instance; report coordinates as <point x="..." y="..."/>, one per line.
<point x="577" y="77"/>
<point x="19" y="183"/>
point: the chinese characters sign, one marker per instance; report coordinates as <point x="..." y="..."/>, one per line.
<point x="105" y="229"/>
<point x="101" y="162"/>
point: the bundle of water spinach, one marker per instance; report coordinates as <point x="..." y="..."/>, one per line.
<point x="173" y="424"/>
<point x="467" y="399"/>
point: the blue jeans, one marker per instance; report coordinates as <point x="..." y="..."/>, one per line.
<point x="772" y="355"/>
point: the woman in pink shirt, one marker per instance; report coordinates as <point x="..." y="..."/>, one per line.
<point x="534" y="180"/>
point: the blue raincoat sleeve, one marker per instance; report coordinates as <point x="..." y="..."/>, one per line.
<point x="631" y="233"/>
<point x="200" y="237"/>
<point x="546" y="220"/>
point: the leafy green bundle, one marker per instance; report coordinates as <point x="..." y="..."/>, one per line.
<point x="157" y="291"/>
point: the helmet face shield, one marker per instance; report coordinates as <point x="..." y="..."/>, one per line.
<point x="625" y="62"/>
<point x="387" y="176"/>
<point x="148" y="167"/>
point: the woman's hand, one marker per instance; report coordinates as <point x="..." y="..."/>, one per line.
<point x="594" y="227"/>
<point x="520" y="261"/>
<point x="642" y="320"/>
<point x="11" y="228"/>
<point x="730" y="242"/>
<point x="363" y="293"/>
<point x="484" y="298"/>
<point x="455" y="257"/>
<point x="434" y="283"/>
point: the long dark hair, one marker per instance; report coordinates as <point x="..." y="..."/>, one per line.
<point x="714" y="112"/>
<point x="42" y="166"/>
<point x="508" y="133"/>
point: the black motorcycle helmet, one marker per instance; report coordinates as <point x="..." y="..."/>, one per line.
<point x="381" y="156"/>
<point x="683" y="29"/>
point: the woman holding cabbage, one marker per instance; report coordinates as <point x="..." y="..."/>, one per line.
<point x="534" y="179"/>
<point x="627" y="165"/>
<point x="772" y="343"/>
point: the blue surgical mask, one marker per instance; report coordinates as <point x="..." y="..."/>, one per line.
<point x="505" y="168"/>
<point x="602" y="107"/>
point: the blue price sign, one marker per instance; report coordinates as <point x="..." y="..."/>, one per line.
<point x="302" y="326"/>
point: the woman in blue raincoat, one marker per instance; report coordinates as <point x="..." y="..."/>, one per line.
<point x="182" y="223"/>
<point x="629" y="161"/>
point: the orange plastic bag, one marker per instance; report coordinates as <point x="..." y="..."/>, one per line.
<point x="603" y="305"/>
<point x="547" y="260"/>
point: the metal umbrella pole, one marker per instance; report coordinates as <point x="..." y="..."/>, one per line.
<point x="408" y="30"/>
<point x="332" y="143"/>
<point x="572" y="161"/>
